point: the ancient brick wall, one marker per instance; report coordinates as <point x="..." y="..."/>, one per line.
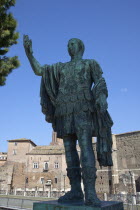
<point x="40" y="159"/>
<point x="128" y="156"/>
<point x="17" y="151"/>
<point x="3" y="158"/>
<point x="25" y="180"/>
<point x="128" y="149"/>
<point x="2" y="162"/>
<point x="6" y="175"/>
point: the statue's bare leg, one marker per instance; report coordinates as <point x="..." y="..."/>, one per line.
<point x="72" y="158"/>
<point x="84" y="133"/>
<point x="73" y="172"/>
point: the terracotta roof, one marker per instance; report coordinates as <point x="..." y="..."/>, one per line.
<point x="45" y="150"/>
<point x="22" y="140"/>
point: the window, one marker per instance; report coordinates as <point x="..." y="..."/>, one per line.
<point x="26" y="180"/>
<point x="15" y="143"/>
<point x="110" y="182"/>
<point x="56" y="165"/>
<point x="42" y="180"/>
<point x="14" y="152"/>
<point x="46" y="166"/>
<point x="35" y="165"/>
<point x="49" y="182"/>
<point x="55" y="180"/>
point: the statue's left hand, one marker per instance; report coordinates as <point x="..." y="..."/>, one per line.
<point x="102" y="103"/>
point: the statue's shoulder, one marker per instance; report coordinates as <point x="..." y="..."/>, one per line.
<point x="90" y="61"/>
<point x="61" y="65"/>
<point x="58" y="64"/>
<point x="94" y="63"/>
<point x="64" y="65"/>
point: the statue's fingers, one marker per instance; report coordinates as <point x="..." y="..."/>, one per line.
<point x="28" y="38"/>
<point x="31" y="42"/>
<point x="105" y="107"/>
<point x="24" y="40"/>
<point x="102" y="106"/>
<point x="24" y="37"/>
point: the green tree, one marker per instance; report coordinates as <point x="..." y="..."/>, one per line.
<point x="8" y="37"/>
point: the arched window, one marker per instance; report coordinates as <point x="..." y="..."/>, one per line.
<point x="46" y="166"/>
<point x="55" y="180"/>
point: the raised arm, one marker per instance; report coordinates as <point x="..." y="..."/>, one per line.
<point x="29" y="52"/>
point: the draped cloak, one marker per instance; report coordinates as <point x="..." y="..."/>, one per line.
<point x="49" y="93"/>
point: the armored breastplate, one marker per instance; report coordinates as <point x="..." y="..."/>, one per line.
<point x="74" y="77"/>
<point x="74" y="88"/>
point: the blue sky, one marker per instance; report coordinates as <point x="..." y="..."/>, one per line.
<point x="110" y="31"/>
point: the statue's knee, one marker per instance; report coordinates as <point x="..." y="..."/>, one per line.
<point x="69" y="150"/>
<point x="85" y="146"/>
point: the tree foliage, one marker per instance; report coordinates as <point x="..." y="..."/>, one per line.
<point x="8" y="37"/>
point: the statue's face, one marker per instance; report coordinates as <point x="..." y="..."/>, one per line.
<point x="73" y="47"/>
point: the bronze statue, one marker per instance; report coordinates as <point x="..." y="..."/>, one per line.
<point x="77" y="109"/>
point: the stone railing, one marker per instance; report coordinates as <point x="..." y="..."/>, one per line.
<point x="47" y="194"/>
<point x="126" y="198"/>
<point x="16" y="203"/>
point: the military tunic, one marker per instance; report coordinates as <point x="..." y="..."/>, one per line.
<point x="74" y="94"/>
<point x="68" y="94"/>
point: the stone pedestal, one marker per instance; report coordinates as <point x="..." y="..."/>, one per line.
<point x="54" y="205"/>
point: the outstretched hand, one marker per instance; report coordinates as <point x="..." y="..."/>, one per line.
<point x="27" y="45"/>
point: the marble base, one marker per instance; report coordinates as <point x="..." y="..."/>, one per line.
<point x="54" y="205"/>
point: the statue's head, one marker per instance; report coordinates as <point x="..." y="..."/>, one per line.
<point x="75" y="47"/>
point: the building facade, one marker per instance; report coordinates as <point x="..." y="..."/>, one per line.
<point x="30" y="169"/>
<point x="126" y="169"/>
<point x="3" y="158"/>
